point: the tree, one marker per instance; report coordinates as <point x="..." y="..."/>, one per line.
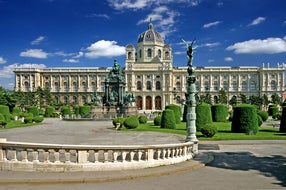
<point x="265" y="100"/>
<point x="222" y="98"/>
<point x="256" y="100"/>
<point x="243" y="98"/>
<point x="276" y="99"/>
<point x="206" y="98"/>
<point x="233" y="101"/>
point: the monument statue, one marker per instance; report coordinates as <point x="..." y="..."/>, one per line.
<point x="191" y="95"/>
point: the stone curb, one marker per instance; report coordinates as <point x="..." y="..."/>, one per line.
<point x="34" y="178"/>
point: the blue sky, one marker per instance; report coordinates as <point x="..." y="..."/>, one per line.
<point x="90" y="33"/>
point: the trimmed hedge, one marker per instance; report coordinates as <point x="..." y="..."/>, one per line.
<point x="259" y="120"/>
<point x="263" y="114"/>
<point x="272" y="109"/>
<point x="157" y="120"/>
<point x="17" y="111"/>
<point x="244" y="119"/>
<point x="219" y="113"/>
<point x="76" y="110"/>
<point x="34" y="110"/>
<point x="177" y="111"/>
<point x="118" y="120"/>
<point x="6" y="113"/>
<point x="84" y="110"/>
<point x="38" y="119"/>
<point x="131" y="122"/>
<point x="209" y="130"/>
<point x="65" y="110"/>
<point x="49" y="111"/>
<point x="283" y="121"/>
<point x="143" y="119"/>
<point x="168" y="119"/>
<point x="204" y="115"/>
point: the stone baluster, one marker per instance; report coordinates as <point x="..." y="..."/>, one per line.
<point x="115" y="156"/>
<point x="159" y="151"/>
<point x="13" y="155"/>
<point x="124" y="153"/>
<point x="24" y="155"/>
<point x="35" y="155"/>
<point x="150" y="154"/>
<point x="132" y="153"/>
<point x="67" y="156"/>
<point x="164" y="153"/>
<point x="96" y="156"/>
<point x="105" y="154"/>
<point x="140" y="153"/>
<point x="46" y="156"/>
<point x="57" y="156"/>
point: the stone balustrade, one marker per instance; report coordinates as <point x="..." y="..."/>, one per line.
<point x="20" y="156"/>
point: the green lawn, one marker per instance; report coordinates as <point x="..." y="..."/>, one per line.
<point x="224" y="132"/>
<point x="16" y="124"/>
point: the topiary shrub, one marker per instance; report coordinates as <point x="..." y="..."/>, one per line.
<point x="118" y="120"/>
<point x="168" y="119"/>
<point x="209" y="130"/>
<point x="283" y="121"/>
<point x="49" y="111"/>
<point x="244" y="119"/>
<point x="177" y="111"/>
<point x="84" y="110"/>
<point x="38" y="119"/>
<point x="272" y="109"/>
<point x="65" y="110"/>
<point x="76" y="110"/>
<point x="263" y="114"/>
<point x="28" y="119"/>
<point x="17" y="111"/>
<point x="157" y="120"/>
<point x="143" y="119"/>
<point x="6" y="113"/>
<point x="259" y="120"/>
<point x="204" y="115"/>
<point x="131" y="122"/>
<point x="34" y="110"/>
<point x="219" y="113"/>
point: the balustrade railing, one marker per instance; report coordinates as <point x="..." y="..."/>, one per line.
<point x="19" y="156"/>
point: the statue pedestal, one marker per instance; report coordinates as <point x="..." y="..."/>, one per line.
<point x="110" y="112"/>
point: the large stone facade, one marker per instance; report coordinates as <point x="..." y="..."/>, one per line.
<point x="151" y="76"/>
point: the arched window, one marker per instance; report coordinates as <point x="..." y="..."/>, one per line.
<point x="149" y="53"/>
<point x="139" y="102"/>
<point x="27" y="86"/>
<point x="159" y="53"/>
<point x="206" y="85"/>
<point x="253" y="86"/>
<point x="167" y="55"/>
<point x="158" y="85"/>
<point x="139" y="85"/>
<point x="75" y="100"/>
<point x="273" y="85"/>
<point x="178" y="86"/>
<point x="216" y="86"/>
<point x="158" y="103"/>
<point x="93" y="84"/>
<point x="234" y="85"/>
<point x="74" y="86"/>
<point x="129" y="56"/>
<point x="66" y="100"/>
<point x="84" y="86"/>
<point x="47" y="85"/>
<point x="149" y="85"/>
<point x="244" y="86"/>
<point x="57" y="86"/>
<point x="83" y="99"/>
<point x="148" y="103"/>
<point x="140" y="53"/>
<point x="225" y="85"/>
<point x="66" y="86"/>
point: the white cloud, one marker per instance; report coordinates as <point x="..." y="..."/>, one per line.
<point x="34" y="53"/>
<point x="257" y="21"/>
<point x="210" y="45"/>
<point x="266" y="46"/>
<point x="129" y="4"/>
<point x="7" y="71"/>
<point x="104" y="48"/>
<point x="2" y="60"/>
<point x="98" y="16"/>
<point x="211" y="24"/>
<point x="71" y="60"/>
<point x="80" y="54"/>
<point x="38" y="40"/>
<point x="228" y="59"/>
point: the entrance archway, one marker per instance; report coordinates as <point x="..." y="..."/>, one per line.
<point x="158" y="103"/>
<point x="148" y="103"/>
<point x="139" y="102"/>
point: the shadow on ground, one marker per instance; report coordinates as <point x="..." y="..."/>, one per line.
<point x="271" y="166"/>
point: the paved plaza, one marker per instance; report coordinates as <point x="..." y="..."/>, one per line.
<point x="229" y="164"/>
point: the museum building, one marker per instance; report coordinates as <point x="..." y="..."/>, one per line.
<point x="151" y="76"/>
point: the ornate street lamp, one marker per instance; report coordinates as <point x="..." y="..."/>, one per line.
<point x="191" y="96"/>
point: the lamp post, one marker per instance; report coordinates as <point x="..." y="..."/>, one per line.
<point x="191" y="96"/>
